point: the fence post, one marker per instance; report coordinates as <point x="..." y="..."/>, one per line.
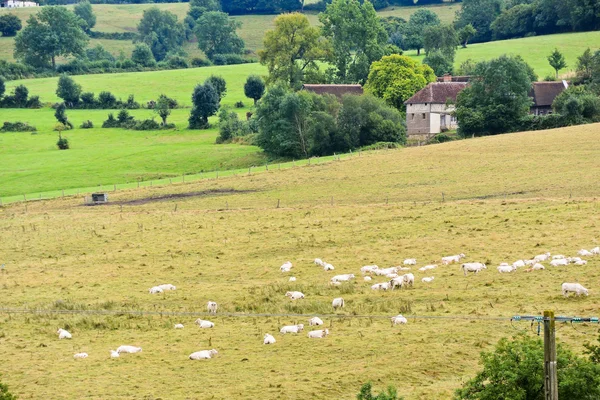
<point x="331" y="200"/>
<point x="277" y="203"/>
<point x="443" y="198"/>
<point x="550" y="372"/>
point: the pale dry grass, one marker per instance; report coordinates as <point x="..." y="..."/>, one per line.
<point x="59" y="254"/>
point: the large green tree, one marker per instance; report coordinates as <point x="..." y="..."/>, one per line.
<point x="68" y="90"/>
<point x="205" y="101"/>
<point x="216" y="34"/>
<point x="254" y="88"/>
<point x="52" y="32"/>
<point x="161" y="32"/>
<point x="358" y="38"/>
<point x="395" y="78"/>
<point x="480" y="14"/>
<point x="84" y="11"/>
<point x="515" y="370"/>
<point x="497" y="100"/>
<point x="292" y="49"/>
<point x="10" y="24"/>
<point x="417" y="23"/>
<point x="442" y="38"/>
<point x="199" y="7"/>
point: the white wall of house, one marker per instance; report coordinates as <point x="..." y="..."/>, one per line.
<point x="18" y="4"/>
<point x="427" y="119"/>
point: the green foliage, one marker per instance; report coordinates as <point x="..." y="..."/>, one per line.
<point x="254" y="88"/>
<point x="198" y="8"/>
<point x="498" y="100"/>
<point x="577" y="105"/>
<point x="465" y="34"/>
<point x="218" y="82"/>
<point x="216" y="34"/>
<point x="161" y="32"/>
<point x="557" y="61"/>
<point x="413" y="32"/>
<point x="439" y="62"/>
<point x="142" y="55"/>
<point x="163" y="108"/>
<point x="240" y="7"/>
<point x="206" y="103"/>
<point x="367" y="394"/>
<point x="61" y="116"/>
<point x="593" y="351"/>
<point x="2" y="87"/>
<point x="467" y="67"/>
<point x="515" y="370"/>
<point x="52" y="32"/>
<point x="10" y="24"/>
<point x="63" y="143"/>
<point x="515" y="22"/>
<point x="87" y="124"/>
<point x="99" y="53"/>
<point x="84" y="11"/>
<point x="239" y="104"/>
<point x="480" y="14"/>
<point x="395" y="78"/>
<point x="357" y="37"/>
<point x="110" y="122"/>
<point x="68" y="90"/>
<point x="230" y="126"/>
<point x="442" y="38"/>
<point x="107" y="100"/>
<point x="19" y="98"/>
<point x="291" y="50"/>
<point x="17" y="127"/>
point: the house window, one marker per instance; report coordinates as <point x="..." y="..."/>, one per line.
<point x="425" y="103"/>
<point x="412" y="116"/>
<point x="423" y="115"/>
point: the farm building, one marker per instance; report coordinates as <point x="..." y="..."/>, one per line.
<point x="430" y="110"/>
<point x="17" y="4"/>
<point x="336" y="90"/>
<point x="543" y="95"/>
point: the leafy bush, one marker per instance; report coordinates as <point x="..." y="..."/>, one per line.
<point x="87" y="124"/>
<point x="5" y="394"/>
<point x="111" y="122"/>
<point x="200" y="62"/>
<point x="61" y="117"/>
<point x="63" y="143"/>
<point x="239" y="104"/>
<point x="107" y="100"/>
<point x="20" y="99"/>
<point x="367" y="394"/>
<point x="230" y="126"/>
<point x="88" y="100"/>
<point x="442" y="138"/>
<point x="129" y="36"/>
<point x="131" y="104"/>
<point x="147" y="125"/>
<point x="17" y="127"/>
<point x="177" y="62"/>
<point x="124" y="119"/>
<point x="34" y="102"/>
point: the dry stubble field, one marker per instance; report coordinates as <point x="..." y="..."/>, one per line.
<point x="507" y="197"/>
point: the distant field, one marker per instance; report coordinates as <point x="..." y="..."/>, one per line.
<point x="506" y="198"/>
<point x="125" y="17"/>
<point x="107" y="156"/>
<point x="146" y="86"/>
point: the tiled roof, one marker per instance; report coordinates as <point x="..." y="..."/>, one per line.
<point x="437" y="92"/>
<point x="544" y="93"/>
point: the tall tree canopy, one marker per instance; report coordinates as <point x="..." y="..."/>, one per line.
<point x="358" y="38"/>
<point x="52" y="32"/>
<point x="10" y="24"/>
<point x="442" y="38"/>
<point x="480" y="14"/>
<point x="161" y="32"/>
<point x="84" y="11"/>
<point x="199" y="7"/>
<point x="395" y="78"/>
<point x="417" y="23"/>
<point x="216" y="34"/>
<point x="240" y="7"/>
<point x="292" y="49"/>
<point x="497" y="100"/>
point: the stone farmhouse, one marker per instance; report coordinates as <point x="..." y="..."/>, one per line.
<point x="17" y="4"/>
<point x="543" y="95"/>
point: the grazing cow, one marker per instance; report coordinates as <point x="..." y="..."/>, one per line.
<point x="576" y="288"/>
<point x="541" y="257"/>
<point x="286" y="267"/>
<point x="211" y="306"/>
<point x="204" y="324"/>
<point x="399" y="319"/>
<point x="295" y="295"/>
<point x="427" y="279"/>
<point x="203" y="354"/>
<point x="452" y="259"/>
<point x="128" y="349"/>
<point x="291" y="329"/>
<point x="154" y="290"/>
<point x="315" y="321"/>
<point x="473" y="267"/>
<point x="410" y="261"/>
<point x="338" y="302"/>
<point x="269" y="339"/>
<point x="63" y="334"/>
<point x="167" y="286"/>
<point x="321" y="333"/>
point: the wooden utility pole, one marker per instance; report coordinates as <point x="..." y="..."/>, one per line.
<point x="550" y="376"/>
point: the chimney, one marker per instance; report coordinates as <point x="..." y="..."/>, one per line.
<point x="447" y="78"/>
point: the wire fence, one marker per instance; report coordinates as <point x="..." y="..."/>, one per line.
<point x="183" y="178"/>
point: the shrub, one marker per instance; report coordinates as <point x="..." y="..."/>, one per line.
<point x="17" y="127"/>
<point x="230" y="126"/>
<point x="61" y="116"/>
<point x="68" y="90"/>
<point x="219" y="59"/>
<point x="107" y="100"/>
<point x="148" y="125"/>
<point x="88" y="100"/>
<point x="128" y="64"/>
<point x="87" y="124"/>
<point x="239" y="104"/>
<point x="5" y="394"/>
<point x="131" y="104"/>
<point x="111" y="122"/>
<point x="177" y="62"/>
<point x="218" y="82"/>
<point x="63" y="143"/>
<point x="442" y="138"/>
<point x="123" y="118"/>
<point x="200" y="62"/>
<point x="34" y="102"/>
<point x="367" y="394"/>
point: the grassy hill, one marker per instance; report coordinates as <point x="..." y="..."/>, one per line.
<point x="506" y="198"/>
<point x="125" y="18"/>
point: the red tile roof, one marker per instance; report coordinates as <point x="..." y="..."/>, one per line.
<point x="437" y="92"/>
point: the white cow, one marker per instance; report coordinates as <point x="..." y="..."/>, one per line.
<point x="178" y="326"/>
<point x="474" y="267"/>
<point x="342" y="278"/>
<point x="367" y="269"/>
<point x="573" y="260"/>
<point x="286" y="267"/>
<point x="319" y="262"/>
<point x="558" y="257"/>
<point x="81" y="355"/>
<point x="529" y="262"/>
<point x="541" y="257"/>
<point x="519" y="264"/>
<point x="63" y="334"/>
<point x="576" y="288"/>
<point x="328" y="267"/>
<point x="167" y="286"/>
<point x="386" y="271"/>
<point x="595" y="250"/>
<point x="128" y="349"/>
<point x="338" y="302"/>
<point x="410" y="261"/>
<point x="399" y="319"/>
<point x="154" y="290"/>
<point x="585" y="253"/>
<point x="559" y="262"/>
<point x="315" y="321"/>
<point x="291" y="329"/>
<point x="409" y="279"/>
<point x="428" y="267"/>
<point x="537" y="267"/>
<point x="295" y="295"/>
<point x="321" y="333"/>
<point x="203" y="354"/>
<point x="212" y="306"/>
<point x="581" y="262"/>
<point x="427" y="279"/>
<point x="114" y="354"/>
<point x="335" y="283"/>
<point x="367" y="279"/>
<point x="204" y="324"/>
<point x="506" y="269"/>
<point x="452" y="259"/>
<point x="269" y="339"/>
<point x="396" y="282"/>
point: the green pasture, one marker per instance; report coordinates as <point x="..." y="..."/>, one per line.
<point x="98" y="156"/>
<point x="505" y="198"/>
<point x="178" y="84"/>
